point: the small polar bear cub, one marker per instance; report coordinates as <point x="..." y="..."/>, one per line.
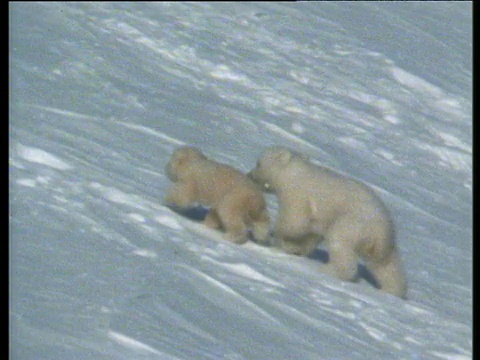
<point x="236" y="202"/>
<point x="318" y="204"/>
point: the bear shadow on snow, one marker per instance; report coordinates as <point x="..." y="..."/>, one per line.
<point x="363" y="273"/>
<point x="198" y="214"/>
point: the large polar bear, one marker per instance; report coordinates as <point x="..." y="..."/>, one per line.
<point x="236" y="202"/>
<point x="318" y="204"/>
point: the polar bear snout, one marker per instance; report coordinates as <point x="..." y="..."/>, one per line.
<point x="170" y="172"/>
<point x="260" y="180"/>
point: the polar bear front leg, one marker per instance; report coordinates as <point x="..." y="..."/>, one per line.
<point x="212" y="220"/>
<point x="181" y="194"/>
<point x="340" y="240"/>
<point x="261" y="228"/>
<point x="232" y="220"/>
<point x="292" y="231"/>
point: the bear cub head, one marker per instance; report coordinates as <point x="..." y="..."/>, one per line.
<point x="182" y="157"/>
<point x="271" y="164"/>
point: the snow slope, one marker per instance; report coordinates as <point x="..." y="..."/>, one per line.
<point x="101" y="94"/>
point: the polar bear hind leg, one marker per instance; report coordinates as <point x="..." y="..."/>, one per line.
<point x="343" y="262"/>
<point x="377" y="248"/>
<point x="389" y="274"/>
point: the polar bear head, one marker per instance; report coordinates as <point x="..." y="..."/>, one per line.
<point x="272" y="164"/>
<point x="181" y="160"/>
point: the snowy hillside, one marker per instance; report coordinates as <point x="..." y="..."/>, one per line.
<point x="102" y="93"/>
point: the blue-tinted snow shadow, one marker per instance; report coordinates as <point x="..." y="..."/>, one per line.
<point x="363" y="273"/>
<point x="198" y="214"/>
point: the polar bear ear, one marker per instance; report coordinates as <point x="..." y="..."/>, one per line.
<point x="185" y="154"/>
<point x="197" y="153"/>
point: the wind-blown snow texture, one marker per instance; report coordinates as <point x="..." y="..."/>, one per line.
<point x="101" y="94"/>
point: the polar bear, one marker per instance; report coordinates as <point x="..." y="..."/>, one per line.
<point x="318" y="204"/>
<point x="236" y="202"/>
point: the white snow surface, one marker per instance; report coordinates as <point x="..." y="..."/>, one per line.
<point x="101" y="94"/>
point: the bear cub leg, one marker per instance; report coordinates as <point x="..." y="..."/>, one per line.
<point x="212" y="220"/>
<point x="261" y="227"/>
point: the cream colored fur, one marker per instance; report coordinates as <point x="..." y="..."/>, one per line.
<point x="318" y="204"/>
<point x="236" y="203"/>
